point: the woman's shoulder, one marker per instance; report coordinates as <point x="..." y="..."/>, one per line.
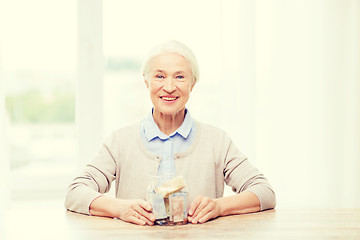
<point x="210" y="131"/>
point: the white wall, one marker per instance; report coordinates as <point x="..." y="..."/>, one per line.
<point x="290" y="95"/>
<point x="308" y="115"/>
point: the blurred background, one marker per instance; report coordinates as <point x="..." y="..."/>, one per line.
<point x="281" y="77"/>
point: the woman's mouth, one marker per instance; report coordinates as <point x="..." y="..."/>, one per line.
<point x="169" y="98"/>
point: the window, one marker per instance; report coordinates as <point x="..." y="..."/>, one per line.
<point x="38" y="64"/>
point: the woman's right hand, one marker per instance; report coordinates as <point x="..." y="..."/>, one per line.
<point x="135" y="211"/>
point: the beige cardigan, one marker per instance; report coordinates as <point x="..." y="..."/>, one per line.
<point x="211" y="161"/>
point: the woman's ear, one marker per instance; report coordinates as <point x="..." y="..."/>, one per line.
<point x="146" y="81"/>
<point x="192" y="85"/>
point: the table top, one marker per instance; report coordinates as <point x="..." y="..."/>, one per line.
<point x="273" y="224"/>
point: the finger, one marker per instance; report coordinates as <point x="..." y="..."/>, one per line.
<point x="194" y="205"/>
<point x="146" y="210"/>
<point x="145" y="205"/>
<point x="147" y="221"/>
<point x="207" y="217"/>
<point x="135" y="220"/>
<point x="204" y="202"/>
<point x="148" y="216"/>
<point x="204" y="212"/>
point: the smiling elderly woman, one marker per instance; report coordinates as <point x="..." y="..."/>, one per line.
<point x="169" y="141"/>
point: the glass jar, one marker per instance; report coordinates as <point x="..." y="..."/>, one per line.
<point x="156" y="200"/>
<point x="168" y="196"/>
<point x="178" y="207"/>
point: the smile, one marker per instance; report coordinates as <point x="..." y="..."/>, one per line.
<point x="169" y="98"/>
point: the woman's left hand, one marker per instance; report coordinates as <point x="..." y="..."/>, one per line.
<point x="203" y="209"/>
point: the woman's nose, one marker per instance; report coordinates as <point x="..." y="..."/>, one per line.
<point x="169" y="85"/>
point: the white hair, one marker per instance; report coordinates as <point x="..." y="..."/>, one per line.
<point x="172" y="47"/>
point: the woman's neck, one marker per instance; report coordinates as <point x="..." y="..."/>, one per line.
<point x="168" y="123"/>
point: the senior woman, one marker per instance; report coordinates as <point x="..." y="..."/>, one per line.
<point x="169" y="141"/>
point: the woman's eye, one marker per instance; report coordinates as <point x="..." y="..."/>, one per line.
<point x="179" y="77"/>
<point x="160" y="76"/>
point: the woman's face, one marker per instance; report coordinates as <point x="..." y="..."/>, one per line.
<point x="170" y="82"/>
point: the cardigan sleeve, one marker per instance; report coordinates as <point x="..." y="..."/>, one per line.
<point x="242" y="176"/>
<point x="95" y="180"/>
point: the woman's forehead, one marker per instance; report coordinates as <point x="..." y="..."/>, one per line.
<point x="166" y="61"/>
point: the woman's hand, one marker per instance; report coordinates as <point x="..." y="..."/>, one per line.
<point x="135" y="211"/>
<point x="203" y="209"/>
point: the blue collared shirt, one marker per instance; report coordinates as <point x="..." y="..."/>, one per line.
<point x="166" y="146"/>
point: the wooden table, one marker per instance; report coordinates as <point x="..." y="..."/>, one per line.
<point x="274" y="224"/>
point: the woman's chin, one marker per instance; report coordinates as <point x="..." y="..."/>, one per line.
<point x="169" y="111"/>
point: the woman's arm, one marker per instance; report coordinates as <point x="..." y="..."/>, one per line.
<point x="204" y="209"/>
<point x="134" y="211"/>
<point x="94" y="180"/>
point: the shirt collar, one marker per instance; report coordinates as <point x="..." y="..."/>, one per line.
<point x="152" y="131"/>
